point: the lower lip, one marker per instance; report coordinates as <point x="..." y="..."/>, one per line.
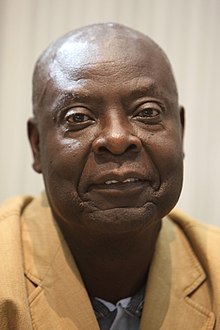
<point x="127" y="187"/>
<point x="120" y="195"/>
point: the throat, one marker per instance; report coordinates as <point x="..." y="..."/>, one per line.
<point x="113" y="265"/>
<point x="116" y="270"/>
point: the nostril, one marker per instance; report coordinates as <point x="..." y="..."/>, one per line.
<point x="102" y="149"/>
<point x="132" y="147"/>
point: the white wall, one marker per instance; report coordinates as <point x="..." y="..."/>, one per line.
<point x="188" y="30"/>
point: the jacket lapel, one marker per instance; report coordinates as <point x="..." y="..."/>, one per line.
<point x="174" y="278"/>
<point x="59" y="300"/>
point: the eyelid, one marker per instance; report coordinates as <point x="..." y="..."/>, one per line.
<point x="149" y="104"/>
<point x="76" y="109"/>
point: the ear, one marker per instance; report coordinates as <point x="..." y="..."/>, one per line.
<point x="182" y="121"/>
<point x="182" y="118"/>
<point x="34" y="139"/>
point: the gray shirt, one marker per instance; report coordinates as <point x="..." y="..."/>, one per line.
<point x="124" y="315"/>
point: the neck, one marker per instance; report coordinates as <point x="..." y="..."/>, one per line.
<point x="113" y="267"/>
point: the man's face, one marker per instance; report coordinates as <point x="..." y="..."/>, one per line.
<point x="110" y="135"/>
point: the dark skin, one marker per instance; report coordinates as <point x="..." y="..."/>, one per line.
<point x="107" y="136"/>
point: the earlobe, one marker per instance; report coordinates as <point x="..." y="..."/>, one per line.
<point x="34" y="139"/>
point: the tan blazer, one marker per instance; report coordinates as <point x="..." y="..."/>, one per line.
<point x="41" y="288"/>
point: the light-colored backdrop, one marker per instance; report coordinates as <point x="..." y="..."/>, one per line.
<point x="188" y="30"/>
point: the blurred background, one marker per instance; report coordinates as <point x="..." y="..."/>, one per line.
<point x="188" y="31"/>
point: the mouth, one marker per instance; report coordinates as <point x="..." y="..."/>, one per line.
<point x="116" y="182"/>
<point x="116" y="179"/>
<point x="117" y="185"/>
<point x="112" y="189"/>
<point x="128" y="180"/>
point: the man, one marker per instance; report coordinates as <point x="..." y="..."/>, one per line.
<point x="94" y="252"/>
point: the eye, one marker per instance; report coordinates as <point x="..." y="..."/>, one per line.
<point x="78" y="118"/>
<point x="149" y="113"/>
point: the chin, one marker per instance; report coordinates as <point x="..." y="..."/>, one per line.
<point x="122" y="219"/>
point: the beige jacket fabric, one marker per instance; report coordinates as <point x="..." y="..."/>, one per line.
<point x="41" y="288"/>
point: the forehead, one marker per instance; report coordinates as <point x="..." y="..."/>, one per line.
<point x="75" y="55"/>
<point x="115" y="62"/>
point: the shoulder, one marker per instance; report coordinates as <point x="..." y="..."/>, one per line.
<point x="14" y="207"/>
<point x="192" y="226"/>
<point x="204" y="239"/>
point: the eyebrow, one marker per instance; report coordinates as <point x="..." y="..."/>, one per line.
<point x="67" y="97"/>
<point x="150" y="90"/>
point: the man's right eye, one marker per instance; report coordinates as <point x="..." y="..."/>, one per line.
<point x="78" y="118"/>
<point x="74" y="118"/>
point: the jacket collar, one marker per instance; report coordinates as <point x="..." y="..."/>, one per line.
<point x="60" y="300"/>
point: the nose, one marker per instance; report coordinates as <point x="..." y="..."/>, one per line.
<point x="116" y="138"/>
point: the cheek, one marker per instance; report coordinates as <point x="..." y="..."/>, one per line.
<point x="167" y="155"/>
<point x="63" y="162"/>
<point x="166" y="152"/>
<point x="63" y="158"/>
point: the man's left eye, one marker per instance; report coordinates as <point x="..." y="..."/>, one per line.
<point x="148" y="112"/>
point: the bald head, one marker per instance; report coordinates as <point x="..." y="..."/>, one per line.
<point x="106" y="41"/>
